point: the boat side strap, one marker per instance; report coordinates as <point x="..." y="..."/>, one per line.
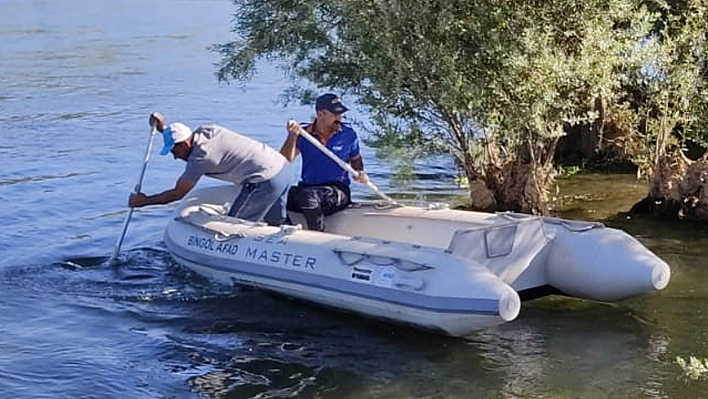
<point x="572" y="225"/>
<point x="405" y="257"/>
<point x="575" y="225"/>
<point x="204" y="216"/>
<point x="434" y="215"/>
<point x="211" y="209"/>
<point x="387" y="205"/>
<point x="219" y="235"/>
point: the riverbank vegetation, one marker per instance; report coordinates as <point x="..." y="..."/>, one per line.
<point x="510" y="90"/>
<point x="693" y="369"/>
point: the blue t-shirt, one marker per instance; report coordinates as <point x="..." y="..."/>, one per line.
<point x="317" y="167"/>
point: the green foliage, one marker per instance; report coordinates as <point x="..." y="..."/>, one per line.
<point x="456" y="76"/>
<point x="402" y="147"/>
<point x="694" y="368"/>
<point x="671" y="88"/>
<point x="567" y="171"/>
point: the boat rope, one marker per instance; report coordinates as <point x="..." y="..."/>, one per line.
<point x="351" y="258"/>
<point x="222" y="235"/>
<point x="387" y="205"/>
<point x="572" y="225"/>
<point x="575" y="225"/>
<point x="219" y="235"/>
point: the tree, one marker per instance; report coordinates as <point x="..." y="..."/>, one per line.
<point x="493" y="83"/>
<point x="673" y="109"/>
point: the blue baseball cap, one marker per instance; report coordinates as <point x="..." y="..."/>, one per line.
<point x="175" y="133"/>
<point x="331" y="103"/>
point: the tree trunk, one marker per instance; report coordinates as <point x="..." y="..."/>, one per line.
<point x="525" y="188"/>
<point x="481" y="196"/>
<point x="679" y="188"/>
<point x="518" y="185"/>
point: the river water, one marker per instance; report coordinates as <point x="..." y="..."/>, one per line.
<point x="78" y="80"/>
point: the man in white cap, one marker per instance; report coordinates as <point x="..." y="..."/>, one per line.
<point x="324" y="186"/>
<point x="219" y="153"/>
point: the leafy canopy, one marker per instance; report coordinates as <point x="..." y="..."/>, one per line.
<point x="457" y="75"/>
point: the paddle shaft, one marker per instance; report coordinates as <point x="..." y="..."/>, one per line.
<point x="343" y="164"/>
<point x="137" y="189"/>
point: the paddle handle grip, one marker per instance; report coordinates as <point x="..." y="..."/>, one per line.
<point x="146" y="159"/>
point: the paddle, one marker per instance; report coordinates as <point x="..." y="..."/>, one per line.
<point x="344" y="165"/>
<point x="137" y="189"/>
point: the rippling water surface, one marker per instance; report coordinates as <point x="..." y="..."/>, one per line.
<point x="77" y="82"/>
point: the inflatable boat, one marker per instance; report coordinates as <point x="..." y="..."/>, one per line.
<point x="432" y="267"/>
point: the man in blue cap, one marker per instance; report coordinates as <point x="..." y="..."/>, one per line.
<point x="324" y="186"/>
<point x="219" y="153"/>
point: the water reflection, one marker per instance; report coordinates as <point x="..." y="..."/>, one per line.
<point x="257" y="345"/>
<point x="570" y="348"/>
<point x="551" y="352"/>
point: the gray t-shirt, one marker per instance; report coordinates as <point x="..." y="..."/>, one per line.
<point x="225" y="155"/>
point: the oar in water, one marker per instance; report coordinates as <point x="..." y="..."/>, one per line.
<point x="137" y="189"/>
<point x="344" y="165"/>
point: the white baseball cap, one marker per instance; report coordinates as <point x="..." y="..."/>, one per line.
<point x="175" y="133"/>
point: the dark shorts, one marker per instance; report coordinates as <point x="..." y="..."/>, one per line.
<point x="316" y="202"/>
